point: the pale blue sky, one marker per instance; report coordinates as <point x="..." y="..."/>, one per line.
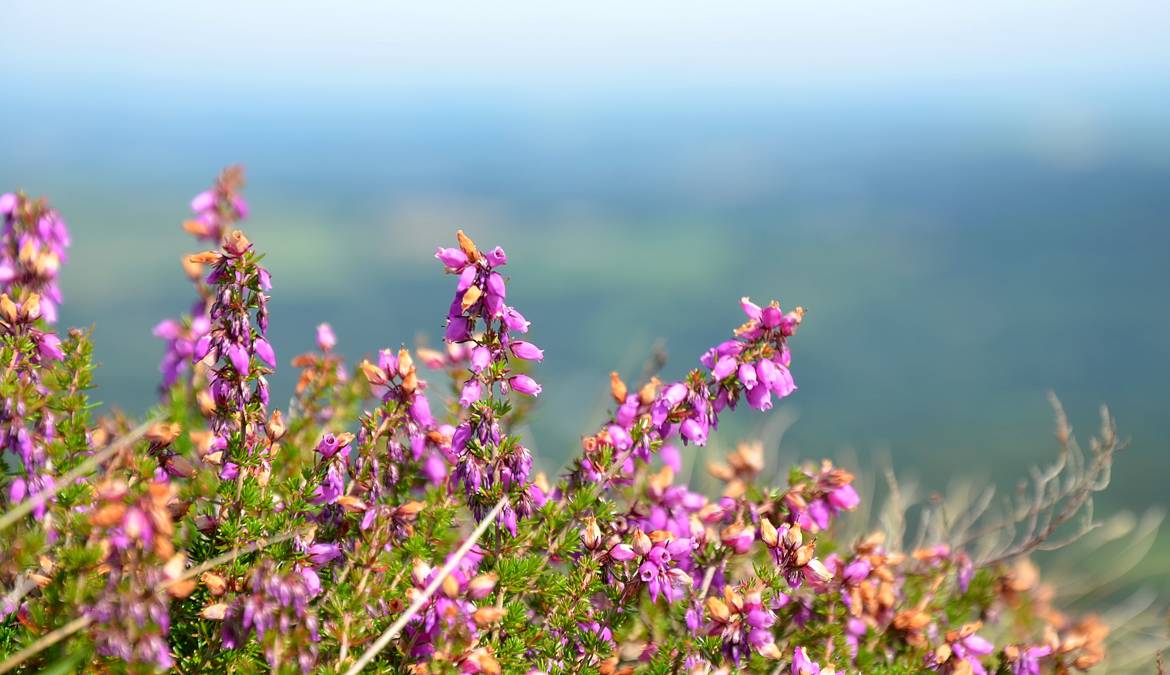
<point x="560" y="47"/>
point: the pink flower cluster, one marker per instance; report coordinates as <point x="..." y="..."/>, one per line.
<point x="388" y="522"/>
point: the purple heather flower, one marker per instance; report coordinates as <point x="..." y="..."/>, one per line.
<point x="50" y="347"/>
<point x="496" y="286"/>
<point x="434" y="468"/>
<point x="743" y="623"/>
<point x="844" y="498"/>
<point x="857" y="571"/>
<point x="622" y="552"/>
<point x="496" y="257"/>
<point x="515" y="321"/>
<point x="32" y="249"/>
<point x="311" y="578"/>
<point x="322" y="554"/>
<point x="747" y="375"/>
<point x="202" y="348"/>
<point x="539" y="498"/>
<point x="326" y="340"/>
<point x="619" y="437"/>
<point x="467" y="278"/>
<point x="203" y="201"/>
<point x="457" y="330"/>
<point x="526" y="350"/>
<point x="524" y="384"/>
<point x="965" y="649"/>
<point x="453" y="258"/>
<point x="966" y="571"/>
<point x="670" y="456"/>
<point x="329" y="446"/>
<point x="481" y="357"/>
<point x="771" y="316"/>
<point x="759" y="398"/>
<point x="265" y="352"/>
<point x="725" y="366"/>
<point x="693" y="431"/>
<point x="675" y="394"/>
<point x="229" y="471"/>
<point x="1026" y="660"/>
<point x="239" y="358"/>
<point x="802" y="664"/>
<point x="472" y="392"/>
<point x="783" y="385"/>
<point x="277" y="610"/>
<point x="420" y="410"/>
<point x="657" y="564"/>
<point x="750" y="308"/>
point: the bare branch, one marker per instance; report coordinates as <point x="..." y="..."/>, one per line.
<point x="396" y="627"/>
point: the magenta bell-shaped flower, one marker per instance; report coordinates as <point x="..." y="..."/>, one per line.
<point x="527" y="351"/>
<point x="239" y="358"/>
<point x="472" y="392"/>
<point x="525" y="385"/>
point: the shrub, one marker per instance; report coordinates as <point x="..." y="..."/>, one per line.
<point x="379" y="522"/>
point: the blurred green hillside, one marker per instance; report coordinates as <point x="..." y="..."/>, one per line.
<point x="958" y="257"/>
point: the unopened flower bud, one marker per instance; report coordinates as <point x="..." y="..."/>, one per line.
<point x="450" y="586"/>
<point x="467" y="246"/>
<point x="470" y="297"/>
<point x="486" y="616"/>
<point x="8" y="309"/>
<point x="641" y="543"/>
<point x="275" y="427"/>
<point x="216" y="584"/>
<point x="525" y="385"/>
<point x="591" y="534"/>
<point x="617" y="388"/>
<point x="480" y="586"/>
<point x="718" y="610"/>
<point x="31" y="308"/>
<point x="768" y="533"/>
<point x="236" y="243"/>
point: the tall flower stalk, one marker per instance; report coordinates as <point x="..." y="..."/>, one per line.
<point x="217" y="211"/>
<point x="489" y="464"/>
<point x="32" y="250"/>
<point x="27" y="424"/>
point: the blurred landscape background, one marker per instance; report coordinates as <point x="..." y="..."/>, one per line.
<point x="973" y="203"/>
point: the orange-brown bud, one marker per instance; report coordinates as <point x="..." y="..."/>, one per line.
<point x="216" y="584"/>
<point x="236" y="243"/>
<point x="617" y="388"/>
<point x="108" y="515"/>
<point x="8" y="308"/>
<point x="275" y="426"/>
<point x="486" y="616"/>
<point x="467" y="246"/>
<point x="351" y="504"/>
<point x="450" y="587"/>
<point x="163" y="433"/>
<point x="410" y="510"/>
<point x="470" y="297"/>
<point x="181" y="589"/>
<point x="374" y="374"/>
<point x="31" y="308"/>
<point x="718" y="610"/>
<point x="648" y="391"/>
<point x="204" y="258"/>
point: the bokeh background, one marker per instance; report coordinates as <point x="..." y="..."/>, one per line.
<point x="972" y="199"/>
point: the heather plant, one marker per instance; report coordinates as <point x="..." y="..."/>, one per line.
<point x="385" y="523"/>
